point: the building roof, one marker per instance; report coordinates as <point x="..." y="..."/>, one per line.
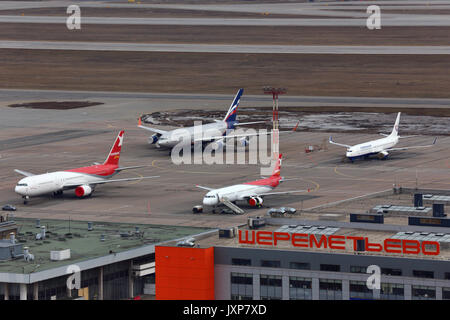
<point x="330" y="228"/>
<point x="86" y="245"/>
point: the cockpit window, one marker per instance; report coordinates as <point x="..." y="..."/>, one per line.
<point x="22" y="185"/>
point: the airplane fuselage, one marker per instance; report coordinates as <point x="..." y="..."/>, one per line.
<point x="183" y="136"/>
<point x="242" y="191"/>
<point x="372" y="147"/>
<point x="56" y="181"/>
<point x="235" y="192"/>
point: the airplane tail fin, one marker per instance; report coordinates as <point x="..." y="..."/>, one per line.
<point x="277" y="169"/>
<point x="114" y="154"/>
<point x="395" y="129"/>
<point x="232" y="111"/>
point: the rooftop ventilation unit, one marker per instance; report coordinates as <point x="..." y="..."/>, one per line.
<point x="254" y="223"/>
<point x="60" y="255"/>
<point x="27" y="255"/>
<point x="228" y="233"/>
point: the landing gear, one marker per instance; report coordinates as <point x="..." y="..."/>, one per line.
<point x="58" y="193"/>
<point x="25" y="199"/>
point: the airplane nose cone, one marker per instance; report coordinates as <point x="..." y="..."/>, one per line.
<point x="20" y="190"/>
<point x="209" y="201"/>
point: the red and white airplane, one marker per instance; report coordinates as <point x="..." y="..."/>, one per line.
<point x="252" y="192"/>
<point x="83" y="180"/>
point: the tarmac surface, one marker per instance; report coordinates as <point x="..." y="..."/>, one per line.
<point x="170" y="198"/>
<point x="42" y="141"/>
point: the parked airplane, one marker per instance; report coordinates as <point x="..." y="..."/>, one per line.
<point x="252" y="192"/>
<point x="380" y="147"/>
<point x="83" y="180"/>
<point x="211" y="132"/>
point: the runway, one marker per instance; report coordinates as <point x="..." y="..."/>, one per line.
<point x="223" y="48"/>
<point x="388" y="21"/>
<point x="30" y="95"/>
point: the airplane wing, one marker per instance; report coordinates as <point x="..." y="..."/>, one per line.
<point x="244" y="135"/>
<point x="206" y="188"/>
<point x="247" y="123"/>
<point x="153" y="130"/>
<point x="24" y="173"/>
<point x="129" y="168"/>
<point x="338" y="144"/>
<point x="400" y="137"/>
<point x="150" y="129"/>
<point x="68" y="186"/>
<point x="413" y="147"/>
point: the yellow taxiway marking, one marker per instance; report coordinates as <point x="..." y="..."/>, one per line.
<point x="136" y="181"/>
<point x="317" y="186"/>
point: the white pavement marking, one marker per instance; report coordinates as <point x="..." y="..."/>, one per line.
<point x="412" y="20"/>
<point x="223" y="48"/>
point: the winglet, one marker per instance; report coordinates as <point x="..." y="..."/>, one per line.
<point x="140" y="121"/>
<point x="434" y="142"/>
<point x="296" y="126"/>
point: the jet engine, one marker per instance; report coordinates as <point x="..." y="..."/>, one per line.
<point x="243" y="141"/>
<point x="217" y="145"/>
<point x="255" y="201"/>
<point x="83" y="191"/>
<point x="154" y="138"/>
<point x="383" y="154"/>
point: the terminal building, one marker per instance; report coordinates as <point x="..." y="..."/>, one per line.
<point x="284" y="258"/>
<point x="56" y="259"/>
<point x="299" y="256"/>
<point x="226" y="269"/>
